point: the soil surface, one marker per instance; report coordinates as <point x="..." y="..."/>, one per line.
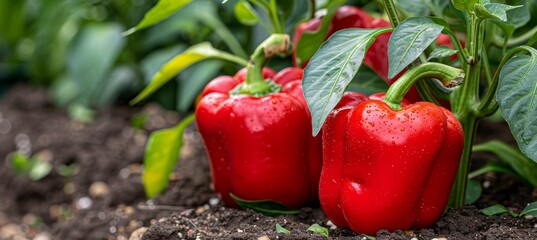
<point x="104" y="198"/>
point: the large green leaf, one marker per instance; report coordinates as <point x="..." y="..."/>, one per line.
<point x="494" y="10"/>
<point x="161" y="154"/>
<point x="522" y="166"/>
<point x="311" y="41"/>
<point x="409" y="40"/>
<point x="161" y="11"/>
<point x="190" y="56"/>
<point x="517" y="97"/>
<point x="332" y="68"/>
<point x="266" y="207"/>
<point x="91" y="57"/>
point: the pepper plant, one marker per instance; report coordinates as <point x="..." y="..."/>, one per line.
<point x="476" y="90"/>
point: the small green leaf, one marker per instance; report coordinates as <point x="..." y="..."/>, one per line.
<point x="441" y="52"/>
<point x="280" y="229"/>
<point x="81" y="113"/>
<point x="494" y="210"/>
<point x="266" y="207"/>
<point x="161" y="11"/>
<point x="311" y="41"/>
<point x="517" y="97"/>
<point x="20" y="162"/>
<point x="522" y="166"/>
<point x="367" y="82"/>
<point x="493" y="10"/>
<point x="332" y="68"/>
<point x="68" y="170"/>
<point x="194" y="54"/>
<point x="161" y="154"/>
<point x="39" y="170"/>
<point x="473" y="192"/>
<point x="464" y="5"/>
<point x="316" y="228"/>
<point x="409" y="40"/>
<point x="245" y="13"/>
<point x="531" y="209"/>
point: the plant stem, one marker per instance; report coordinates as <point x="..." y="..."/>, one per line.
<point x="392" y="12"/>
<point x="312" y="9"/>
<point x="445" y="73"/>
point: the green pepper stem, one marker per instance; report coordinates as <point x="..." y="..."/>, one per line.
<point x="392" y="12"/>
<point x="449" y="76"/>
<point x="275" y="44"/>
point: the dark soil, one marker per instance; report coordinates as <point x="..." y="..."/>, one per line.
<point x="105" y="198"/>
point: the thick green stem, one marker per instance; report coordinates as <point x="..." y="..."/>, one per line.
<point x="458" y="193"/>
<point x="449" y="76"/>
<point x="389" y="6"/>
<point x="255" y="85"/>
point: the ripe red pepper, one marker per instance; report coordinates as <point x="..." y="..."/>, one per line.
<point x="261" y="148"/>
<point x="387" y="169"/>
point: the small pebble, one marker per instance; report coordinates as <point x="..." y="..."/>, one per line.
<point x="263" y="238"/>
<point x="331" y="225"/>
<point x="128" y="211"/>
<point x="11" y="231"/>
<point x="69" y="188"/>
<point x="42" y="236"/>
<point x="29" y="219"/>
<point x="486" y="184"/>
<point x="84" y="203"/>
<point x="99" y="190"/>
<point x="240" y="230"/>
<point x="529" y="217"/>
<point x="214" y="202"/>
<point x="440" y="238"/>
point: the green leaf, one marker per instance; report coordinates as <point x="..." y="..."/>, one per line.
<point x="367" y="82"/>
<point x="409" y="40"/>
<point x="493" y="10"/>
<point x="245" y="13"/>
<point x="280" y="229"/>
<point x="531" y="209"/>
<point x="20" y="162"/>
<point x="39" y="170"/>
<point x="441" y="52"/>
<point x="464" y="5"/>
<point x="332" y="68"/>
<point x="311" y="41"/>
<point x="494" y="210"/>
<point x="415" y="8"/>
<point x="520" y="16"/>
<point x="161" y="154"/>
<point x="266" y="207"/>
<point x="533" y="40"/>
<point x="316" y="228"/>
<point x="92" y="55"/>
<point x="517" y="97"/>
<point x="161" y="11"/>
<point x="522" y="166"/>
<point x="81" y="113"/>
<point x="473" y="192"/>
<point x="194" y="54"/>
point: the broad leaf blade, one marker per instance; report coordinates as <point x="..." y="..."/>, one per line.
<point x="311" y="41"/>
<point x="517" y="97"/>
<point x="494" y="10"/>
<point x="316" y="228"/>
<point x="161" y="154"/>
<point x="266" y="207"/>
<point x="332" y="68"/>
<point x="531" y="209"/>
<point x="190" y="56"/>
<point x="161" y="11"/>
<point x="441" y="52"/>
<point x="464" y="5"/>
<point x="367" y="82"/>
<point x="245" y="13"/>
<point x="409" y="40"/>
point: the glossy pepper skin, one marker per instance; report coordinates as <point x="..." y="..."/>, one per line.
<point x="261" y="148"/>
<point x="387" y="169"/>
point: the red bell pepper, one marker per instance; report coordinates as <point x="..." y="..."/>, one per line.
<point x="260" y="147"/>
<point x="385" y="168"/>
